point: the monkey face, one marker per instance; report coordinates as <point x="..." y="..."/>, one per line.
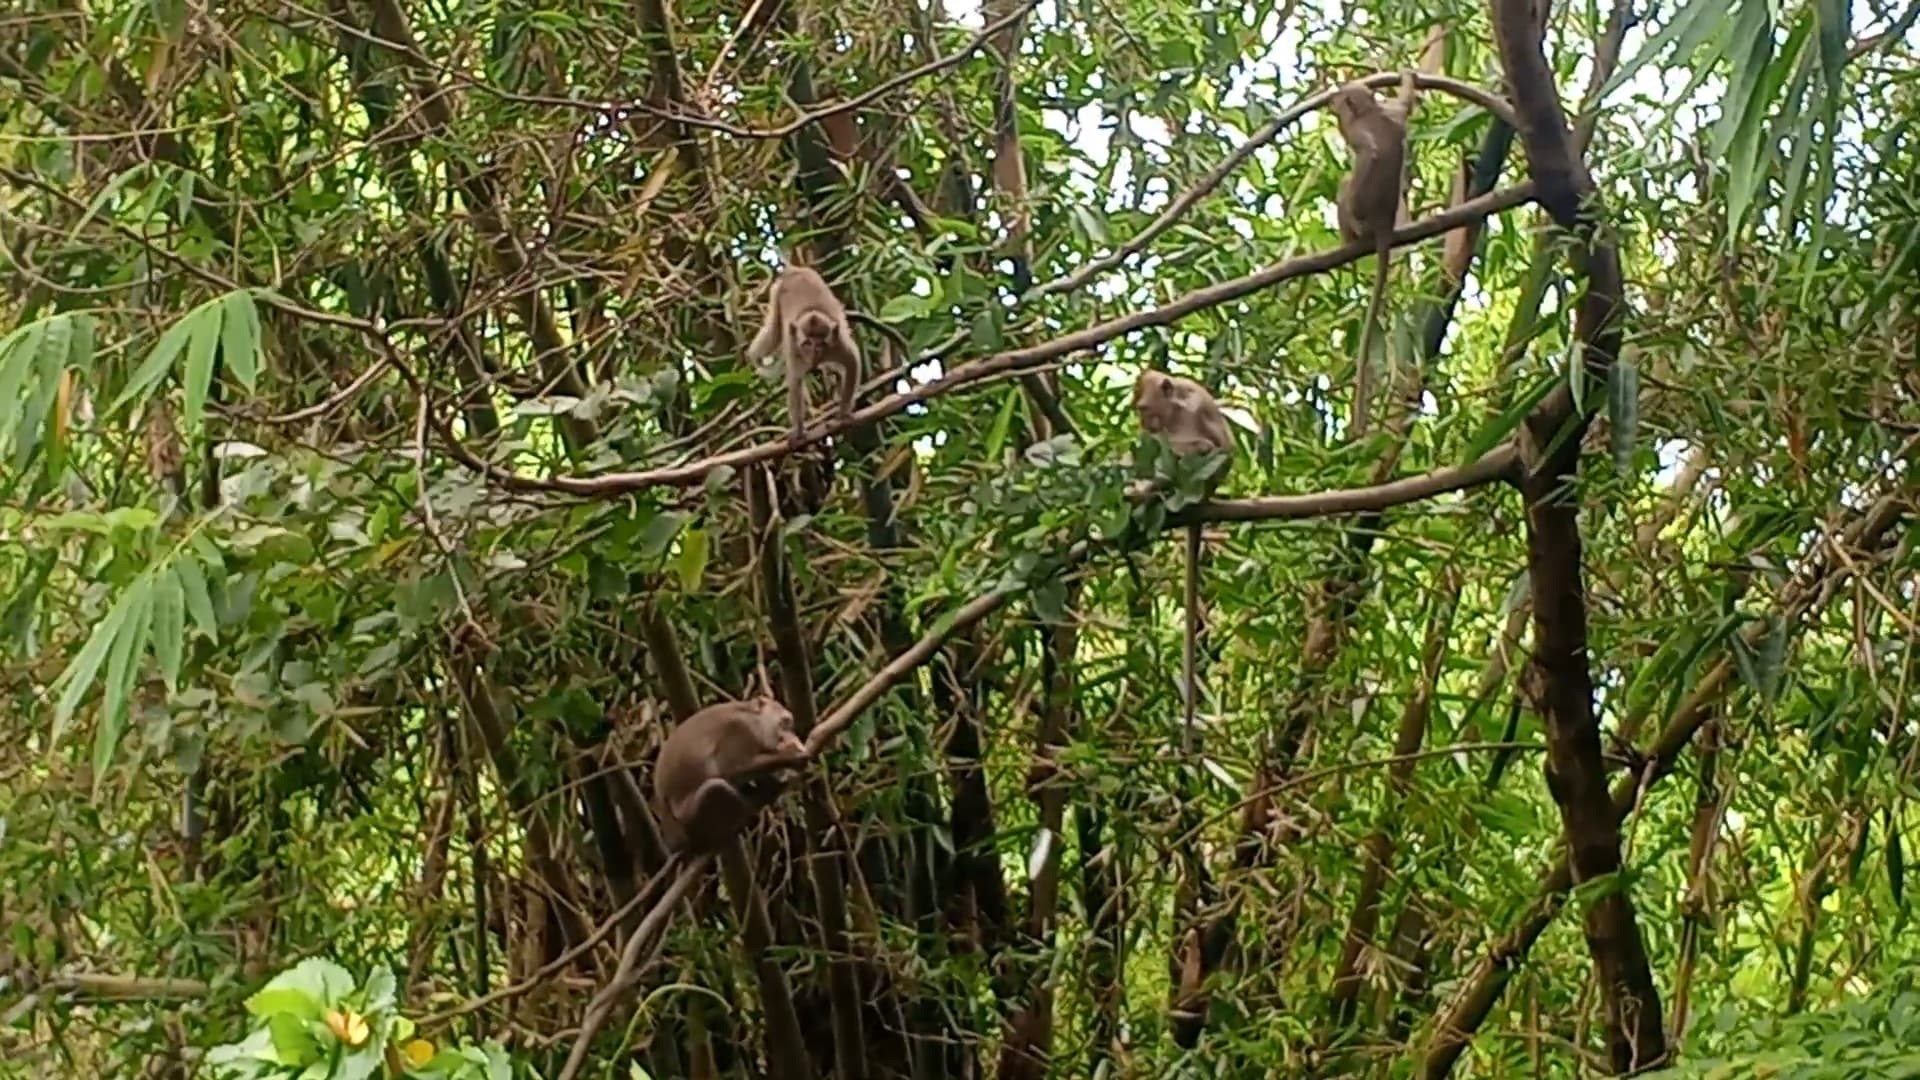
<point x="776" y="726"/>
<point x="812" y="334"/>
<point x="1352" y="101"/>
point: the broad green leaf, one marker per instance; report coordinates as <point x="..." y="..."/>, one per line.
<point x="293" y="1040"/>
<point x="324" y="982"/>
<point x="692" y="563"/>
<point x="240" y="337"/>
<point x="198" y="377"/>
<point x="169" y="627"/>
<point x="122" y="669"/>
<point x="660" y="531"/>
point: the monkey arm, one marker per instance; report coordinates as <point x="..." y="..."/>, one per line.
<point x="768" y="338"/>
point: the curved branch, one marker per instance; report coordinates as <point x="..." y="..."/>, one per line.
<point x="1486" y="99"/>
<point x="1497" y="464"/>
<point x="992" y="367"/>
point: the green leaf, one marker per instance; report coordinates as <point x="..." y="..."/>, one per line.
<point x="159" y="361"/>
<point x="660" y="531"/>
<point x="1836" y="24"/>
<point x="122" y="669"/>
<point x="240" y="337"/>
<point x="692" y="563"/>
<point x="193" y="586"/>
<point x="293" y="1040"/>
<point x="1002" y="424"/>
<point x="1690" y="23"/>
<point x="1623" y="409"/>
<point x="1503" y="425"/>
<point x="322" y="981"/>
<point x="169" y="627"/>
<point x="902" y="308"/>
<point x="80" y="352"/>
<point x="199" y="373"/>
<point x="1747" y="166"/>
<point x="78" y="677"/>
<point x="18" y="351"/>
<point x="120" y="180"/>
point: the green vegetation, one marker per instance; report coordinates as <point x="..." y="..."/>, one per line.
<point x="381" y="477"/>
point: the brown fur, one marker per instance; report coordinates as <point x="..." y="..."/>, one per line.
<point x="718" y="769"/>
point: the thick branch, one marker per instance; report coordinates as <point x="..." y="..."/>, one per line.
<point x="1011" y="362"/>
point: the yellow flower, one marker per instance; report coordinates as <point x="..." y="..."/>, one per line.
<point x="349" y="1026"/>
<point x="418" y="1053"/>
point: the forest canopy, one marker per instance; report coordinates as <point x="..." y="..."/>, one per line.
<point x="384" y="475"/>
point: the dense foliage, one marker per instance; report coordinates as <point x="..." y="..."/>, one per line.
<point x="380" y="478"/>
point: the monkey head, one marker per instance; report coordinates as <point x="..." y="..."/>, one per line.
<point x="1353" y="101"/>
<point x="1158" y="400"/>
<point x="813" y="334"/>
<point x="774" y="723"/>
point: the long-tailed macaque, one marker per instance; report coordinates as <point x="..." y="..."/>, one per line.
<point x="1368" y="201"/>
<point x="719" y="768"/>
<point x="808" y="325"/>
<point x="1185" y="414"/>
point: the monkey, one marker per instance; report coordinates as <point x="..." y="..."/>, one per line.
<point x="1368" y="201"/>
<point x="718" y="769"/>
<point x="1185" y="414"/>
<point x="808" y="326"/>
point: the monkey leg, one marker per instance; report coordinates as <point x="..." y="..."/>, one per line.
<point x="715" y="813"/>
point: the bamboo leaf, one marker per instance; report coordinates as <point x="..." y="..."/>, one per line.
<point x="18" y="351"/>
<point x="1504" y="424"/>
<point x="119" y="181"/>
<point x="159" y="361"/>
<point x="193" y="586"/>
<point x="77" y="679"/>
<point x="122" y="666"/>
<point x="199" y="373"/>
<point x="169" y="627"/>
<point x="1752" y="92"/>
<point x="1623" y="409"/>
<point x="240" y="337"/>
<point x="1689" y="26"/>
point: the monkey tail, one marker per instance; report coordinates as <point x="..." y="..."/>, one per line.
<point x="1189" y="688"/>
<point x="1363" y="360"/>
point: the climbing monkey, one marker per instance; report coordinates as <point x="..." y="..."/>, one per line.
<point x="806" y="323"/>
<point x="1368" y="201"/>
<point x="1184" y="413"/>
